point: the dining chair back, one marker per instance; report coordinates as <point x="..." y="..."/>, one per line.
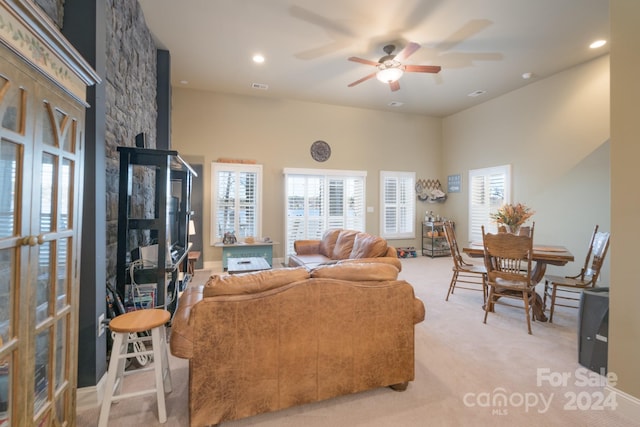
<point x="508" y="261"/>
<point x="569" y="288"/>
<point x="463" y="271"/>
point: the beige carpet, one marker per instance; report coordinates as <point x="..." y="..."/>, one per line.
<point x="463" y="367"/>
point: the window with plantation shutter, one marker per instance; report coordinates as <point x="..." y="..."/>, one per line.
<point x="398" y="210"/>
<point x="489" y="188"/>
<point x="236" y="200"/>
<point x="317" y="200"/>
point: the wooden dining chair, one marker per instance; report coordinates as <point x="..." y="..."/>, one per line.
<point x="508" y="260"/>
<point x="570" y="288"/>
<point x="463" y="271"/>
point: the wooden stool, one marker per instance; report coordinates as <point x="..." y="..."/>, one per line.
<point x="125" y="328"/>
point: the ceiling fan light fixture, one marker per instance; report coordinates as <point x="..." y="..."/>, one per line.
<point x="389" y="75"/>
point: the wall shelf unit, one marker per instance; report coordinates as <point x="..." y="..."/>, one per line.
<point x="153" y="218"/>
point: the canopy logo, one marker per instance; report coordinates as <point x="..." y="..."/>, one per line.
<point x="591" y="397"/>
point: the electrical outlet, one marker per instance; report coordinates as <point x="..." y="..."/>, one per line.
<point x="101" y="324"/>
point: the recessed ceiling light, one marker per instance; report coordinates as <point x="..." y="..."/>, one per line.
<point x="527" y="75"/>
<point x="395" y="104"/>
<point x="477" y="93"/>
<point x="258" y="59"/>
<point x="598" y="43"/>
<point x="184" y="82"/>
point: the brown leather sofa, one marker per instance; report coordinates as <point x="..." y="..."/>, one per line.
<point x="339" y="245"/>
<point x="264" y="341"/>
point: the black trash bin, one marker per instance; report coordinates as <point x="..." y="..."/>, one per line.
<point x="593" y="329"/>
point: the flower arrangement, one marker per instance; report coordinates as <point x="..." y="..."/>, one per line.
<point x="512" y="216"/>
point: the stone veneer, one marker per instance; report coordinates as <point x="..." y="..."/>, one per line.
<point x="131" y="109"/>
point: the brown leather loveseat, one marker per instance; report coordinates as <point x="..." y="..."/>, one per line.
<point x="340" y="245"/>
<point x="264" y="341"/>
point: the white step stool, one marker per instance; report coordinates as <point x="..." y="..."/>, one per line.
<point x="126" y="328"/>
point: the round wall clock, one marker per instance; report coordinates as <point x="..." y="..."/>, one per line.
<point x="320" y="151"/>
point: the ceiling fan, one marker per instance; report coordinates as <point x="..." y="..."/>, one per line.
<point x="390" y="67"/>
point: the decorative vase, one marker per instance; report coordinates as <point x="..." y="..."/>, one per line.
<point x="513" y="229"/>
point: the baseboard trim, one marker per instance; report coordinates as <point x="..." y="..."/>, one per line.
<point x="628" y="405"/>
<point x="91" y="397"/>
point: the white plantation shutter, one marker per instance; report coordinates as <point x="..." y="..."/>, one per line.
<point x="398" y="208"/>
<point x="489" y="188"/>
<point x="305" y="207"/>
<point x="317" y="200"/>
<point x="236" y="204"/>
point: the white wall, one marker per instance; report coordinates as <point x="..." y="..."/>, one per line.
<point x="555" y="134"/>
<point x="279" y="133"/>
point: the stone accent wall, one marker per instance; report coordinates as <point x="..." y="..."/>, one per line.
<point x="131" y="109"/>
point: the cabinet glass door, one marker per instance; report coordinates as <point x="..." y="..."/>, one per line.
<point x="53" y="221"/>
<point x="10" y="165"/>
<point x="14" y="214"/>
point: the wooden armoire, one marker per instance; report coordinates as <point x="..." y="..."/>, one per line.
<point x="43" y="83"/>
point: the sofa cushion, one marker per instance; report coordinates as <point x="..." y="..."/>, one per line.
<point x="357" y="272"/>
<point x="344" y="244"/>
<point x="309" y="261"/>
<point x="307" y="246"/>
<point x="368" y="246"/>
<point x="378" y="260"/>
<point x="249" y="283"/>
<point x="328" y="242"/>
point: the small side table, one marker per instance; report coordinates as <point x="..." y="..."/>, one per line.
<point x="192" y="257"/>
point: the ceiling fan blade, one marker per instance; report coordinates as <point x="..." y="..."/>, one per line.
<point x="321" y="21"/>
<point x="364" y="61"/>
<point x="322" y="50"/>
<point x="341" y="35"/>
<point x="422" y="68"/>
<point x="407" y="51"/>
<point x="394" y="85"/>
<point x="365" y="78"/>
<point x="467" y="31"/>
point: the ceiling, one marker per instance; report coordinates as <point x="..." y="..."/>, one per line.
<point x="482" y="45"/>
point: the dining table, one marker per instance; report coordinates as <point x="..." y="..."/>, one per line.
<point x="543" y="255"/>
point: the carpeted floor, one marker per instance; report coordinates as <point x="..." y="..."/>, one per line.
<point x="467" y="373"/>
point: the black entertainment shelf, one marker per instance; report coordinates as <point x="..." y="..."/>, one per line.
<point x="157" y="217"/>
